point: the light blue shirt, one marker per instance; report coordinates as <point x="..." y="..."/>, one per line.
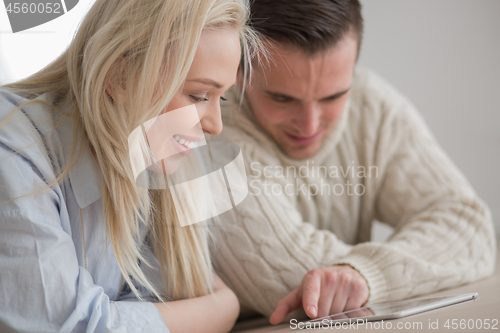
<point x="44" y="285"/>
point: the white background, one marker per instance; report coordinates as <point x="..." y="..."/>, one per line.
<point x="25" y="52"/>
<point x="443" y="54"/>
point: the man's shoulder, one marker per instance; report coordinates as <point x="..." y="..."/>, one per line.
<point x="369" y="86"/>
<point x="374" y="99"/>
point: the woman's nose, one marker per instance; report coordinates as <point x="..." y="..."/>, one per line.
<point x="211" y="120"/>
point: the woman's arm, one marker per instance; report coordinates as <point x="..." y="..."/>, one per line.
<point x="210" y="313"/>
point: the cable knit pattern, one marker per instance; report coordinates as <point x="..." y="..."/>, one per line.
<point x="443" y="236"/>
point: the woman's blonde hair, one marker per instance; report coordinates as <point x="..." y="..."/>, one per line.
<point x="147" y="47"/>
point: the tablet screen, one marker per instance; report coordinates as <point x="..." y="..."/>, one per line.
<point x="398" y="309"/>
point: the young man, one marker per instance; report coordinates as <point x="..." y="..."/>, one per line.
<point x="329" y="150"/>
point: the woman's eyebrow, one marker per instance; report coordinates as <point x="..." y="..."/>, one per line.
<point x="207" y="81"/>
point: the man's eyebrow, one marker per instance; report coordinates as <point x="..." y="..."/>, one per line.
<point x="336" y="95"/>
<point x="279" y="95"/>
<point x="209" y="82"/>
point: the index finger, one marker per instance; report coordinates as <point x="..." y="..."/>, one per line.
<point x="311" y="287"/>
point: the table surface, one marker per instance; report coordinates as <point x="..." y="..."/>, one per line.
<point x="485" y="309"/>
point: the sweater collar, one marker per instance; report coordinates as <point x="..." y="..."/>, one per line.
<point x="238" y="113"/>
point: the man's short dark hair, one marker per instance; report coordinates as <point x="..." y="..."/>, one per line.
<point x="310" y="25"/>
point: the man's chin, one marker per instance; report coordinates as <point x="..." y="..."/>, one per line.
<point x="300" y="153"/>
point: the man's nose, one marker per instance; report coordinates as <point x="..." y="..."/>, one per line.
<point x="211" y="120"/>
<point x="309" y="119"/>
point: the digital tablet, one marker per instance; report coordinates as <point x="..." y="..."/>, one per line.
<point x="394" y="310"/>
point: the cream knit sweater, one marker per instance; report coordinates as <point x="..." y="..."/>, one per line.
<point x="380" y="162"/>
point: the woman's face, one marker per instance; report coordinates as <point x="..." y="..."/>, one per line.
<point x="195" y="108"/>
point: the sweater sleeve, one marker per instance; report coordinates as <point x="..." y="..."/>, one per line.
<point x="444" y="235"/>
<point x="265" y="247"/>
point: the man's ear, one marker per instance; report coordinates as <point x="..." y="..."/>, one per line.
<point x="115" y="84"/>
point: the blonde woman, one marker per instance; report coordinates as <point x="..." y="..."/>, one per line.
<point x="80" y="241"/>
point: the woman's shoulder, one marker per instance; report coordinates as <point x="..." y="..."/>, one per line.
<point x="30" y="147"/>
<point x="17" y="111"/>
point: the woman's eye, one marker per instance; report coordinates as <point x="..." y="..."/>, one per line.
<point x="198" y="99"/>
<point x="223" y="98"/>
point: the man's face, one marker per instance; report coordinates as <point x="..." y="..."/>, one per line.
<point x="297" y="98"/>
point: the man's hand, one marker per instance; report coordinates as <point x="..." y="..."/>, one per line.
<point x="324" y="291"/>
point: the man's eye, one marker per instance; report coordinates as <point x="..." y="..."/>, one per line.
<point x="198" y="99"/>
<point x="282" y="99"/>
<point x="331" y="99"/>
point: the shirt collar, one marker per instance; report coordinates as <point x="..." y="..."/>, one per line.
<point x="84" y="176"/>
